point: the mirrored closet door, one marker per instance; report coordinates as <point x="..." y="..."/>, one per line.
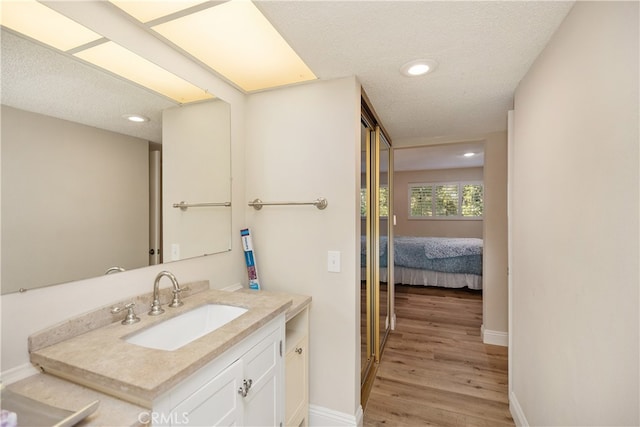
<point x="377" y="252"/>
<point x="367" y="353"/>
<point x="385" y="222"/>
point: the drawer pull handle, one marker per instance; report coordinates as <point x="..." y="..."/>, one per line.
<point x="298" y="350"/>
<point x="246" y="386"/>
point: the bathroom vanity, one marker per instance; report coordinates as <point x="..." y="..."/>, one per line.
<point x="243" y="386"/>
<point x="233" y="375"/>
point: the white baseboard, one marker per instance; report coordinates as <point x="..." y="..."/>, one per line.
<point x="495" y="337"/>
<point x="325" y="417"/>
<point x="18" y="373"/>
<point x="516" y="411"/>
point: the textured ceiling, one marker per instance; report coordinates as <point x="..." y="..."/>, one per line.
<point x="39" y="79"/>
<point x="483" y="50"/>
<point x="447" y="156"/>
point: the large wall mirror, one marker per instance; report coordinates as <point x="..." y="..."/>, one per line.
<point x="81" y="186"/>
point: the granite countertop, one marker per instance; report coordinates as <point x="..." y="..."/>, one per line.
<point x="101" y="359"/>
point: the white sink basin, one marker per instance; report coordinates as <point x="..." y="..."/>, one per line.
<point x="181" y="330"/>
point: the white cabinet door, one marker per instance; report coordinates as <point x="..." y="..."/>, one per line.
<point x="263" y="367"/>
<point x="217" y="403"/>
<point x="296" y="386"/>
<point x="243" y="386"/>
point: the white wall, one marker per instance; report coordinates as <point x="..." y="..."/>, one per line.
<point x="303" y="142"/>
<point x="575" y="231"/>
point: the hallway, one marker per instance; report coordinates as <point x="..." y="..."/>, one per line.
<point x="435" y="369"/>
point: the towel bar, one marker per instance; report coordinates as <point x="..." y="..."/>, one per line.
<point x="319" y="203"/>
<point x="184" y="205"/>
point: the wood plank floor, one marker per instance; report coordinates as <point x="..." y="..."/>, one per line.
<point x="435" y="370"/>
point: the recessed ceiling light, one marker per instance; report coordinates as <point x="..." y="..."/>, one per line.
<point x="418" y="67"/>
<point x="469" y="154"/>
<point x="136" y="118"/>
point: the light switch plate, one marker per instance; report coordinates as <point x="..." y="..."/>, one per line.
<point x="333" y="261"/>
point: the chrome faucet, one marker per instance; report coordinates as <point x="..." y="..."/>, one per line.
<point x="115" y="269"/>
<point x="156" y="309"/>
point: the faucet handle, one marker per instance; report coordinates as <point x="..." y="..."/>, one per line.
<point x="176" y="302"/>
<point x="131" y="317"/>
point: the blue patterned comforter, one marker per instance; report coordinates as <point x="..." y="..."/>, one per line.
<point x="448" y="255"/>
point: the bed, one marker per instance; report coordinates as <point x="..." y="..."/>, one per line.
<point x="433" y="261"/>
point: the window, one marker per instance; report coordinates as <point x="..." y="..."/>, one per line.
<point x="455" y="200"/>
<point x="472" y="200"/>
<point x="384" y="201"/>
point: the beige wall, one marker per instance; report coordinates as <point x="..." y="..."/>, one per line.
<point x="575" y="231"/>
<point x="432" y="227"/>
<point x="75" y="200"/>
<point x="196" y="149"/>
<point x="495" y="251"/>
<point x="303" y="142"/>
